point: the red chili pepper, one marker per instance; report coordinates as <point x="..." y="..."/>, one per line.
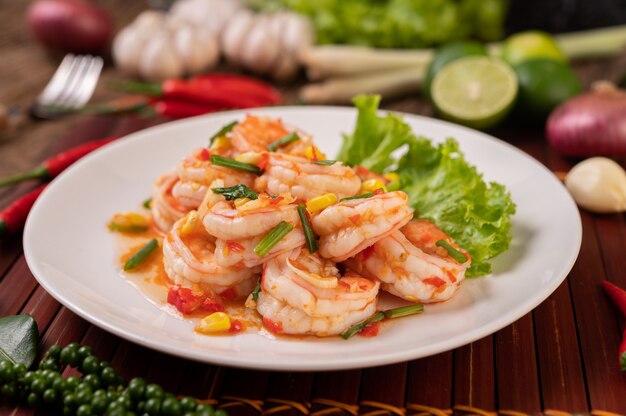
<point x="184" y="299"/>
<point x="618" y="296"/>
<point x="238" y="84"/>
<point x="52" y="167"/>
<point x="13" y="217"/>
<point x="177" y="108"/>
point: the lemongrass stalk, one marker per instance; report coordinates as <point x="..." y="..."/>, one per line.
<point x="337" y="60"/>
<point x="390" y="83"/>
<point x="344" y="60"/>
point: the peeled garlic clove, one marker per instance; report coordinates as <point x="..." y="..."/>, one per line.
<point x="598" y="184"/>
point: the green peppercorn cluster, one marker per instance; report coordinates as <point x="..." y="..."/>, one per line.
<point x="100" y="391"/>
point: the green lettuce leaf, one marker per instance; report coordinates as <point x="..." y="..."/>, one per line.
<point x="442" y="186"/>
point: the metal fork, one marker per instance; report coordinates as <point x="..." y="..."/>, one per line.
<point x="70" y="88"/>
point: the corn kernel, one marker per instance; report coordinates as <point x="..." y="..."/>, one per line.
<point x="252" y="158"/>
<point x="216" y="322"/>
<point x="222" y="141"/>
<point x="321" y="202"/>
<point x="313" y="153"/>
<point x="371" y="185"/>
<point x="128" y="221"/>
<point x="391" y="176"/>
<point x="241" y="201"/>
<point x="192" y="220"/>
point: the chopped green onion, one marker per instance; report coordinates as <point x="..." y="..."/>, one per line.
<point x="147" y="203"/>
<point x="255" y="292"/>
<point x="234" y="164"/>
<point x="141" y="255"/>
<point x="237" y="191"/>
<point x="311" y="240"/>
<point x="223" y="131"/>
<point x="133" y="228"/>
<point x="325" y="162"/>
<point x="283" y="141"/>
<point x="404" y="311"/>
<point x="355" y="329"/>
<point x="362" y="196"/>
<point x="272" y="238"/>
<point x="380" y="315"/>
<point x="453" y="252"/>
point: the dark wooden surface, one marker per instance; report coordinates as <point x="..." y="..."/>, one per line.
<point x="562" y="356"/>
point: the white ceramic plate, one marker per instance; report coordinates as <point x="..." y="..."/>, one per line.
<point x="73" y="256"/>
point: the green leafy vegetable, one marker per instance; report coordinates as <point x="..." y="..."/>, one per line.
<point x="222" y="132"/>
<point x="19" y="337"/>
<point x="442" y="186"/>
<point x="398" y="23"/>
<point x="237" y="191"/>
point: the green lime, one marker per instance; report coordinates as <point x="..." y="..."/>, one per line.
<point x="529" y="45"/>
<point x="543" y="85"/>
<point x="446" y="54"/>
<point x="476" y="91"/>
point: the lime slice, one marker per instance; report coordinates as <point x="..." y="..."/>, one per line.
<point x="476" y="91"/>
<point x="531" y="44"/>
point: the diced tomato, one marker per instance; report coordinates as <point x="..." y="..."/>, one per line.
<point x="379" y="192"/>
<point x="370" y="330"/>
<point x="435" y="281"/>
<point x="355" y="219"/>
<point x="229" y="293"/>
<point x="274" y="327"/>
<point x="265" y="157"/>
<point x="367" y="253"/>
<point x="203" y="155"/>
<point x="184" y="299"/>
<point x="211" y="305"/>
<point x="235" y="326"/>
<point x="234" y="246"/>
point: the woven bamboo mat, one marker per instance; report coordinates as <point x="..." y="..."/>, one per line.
<point x="559" y="359"/>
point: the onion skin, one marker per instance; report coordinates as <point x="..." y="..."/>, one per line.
<point x="591" y="124"/>
<point x="70" y="26"/>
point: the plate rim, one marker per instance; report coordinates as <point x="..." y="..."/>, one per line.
<point x="337" y="363"/>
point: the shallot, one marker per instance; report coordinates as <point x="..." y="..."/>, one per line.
<point x="591" y="124"/>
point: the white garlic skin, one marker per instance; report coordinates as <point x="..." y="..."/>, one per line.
<point x="598" y="185"/>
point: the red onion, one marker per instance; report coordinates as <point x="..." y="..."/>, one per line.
<point x="591" y="124"/>
<point x="70" y="25"/>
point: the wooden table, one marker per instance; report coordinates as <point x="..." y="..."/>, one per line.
<point x="561" y="357"/>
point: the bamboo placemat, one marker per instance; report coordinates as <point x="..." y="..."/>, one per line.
<point x="559" y="359"/>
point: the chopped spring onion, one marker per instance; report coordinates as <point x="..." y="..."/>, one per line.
<point x="238" y="191"/>
<point x="141" y="255"/>
<point x="272" y="238"/>
<point x="127" y="228"/>
<point x="255" y="292"/>
<point x="147" y="203"/>
<point x="283" y="141"/>
<point x="234" y="164"/>
<point x="380" y="315"/>
<point x="223" y="131"/>
<point x="311" y="240"/>
<point x="362" y="196"/>
<point x="325" y="162"/>
<point x="404" y="311"/>
<point x="355" y="329"/>
<point x="453" y="252"/>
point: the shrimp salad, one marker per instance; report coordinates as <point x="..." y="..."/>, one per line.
<point x="262" y="219"/>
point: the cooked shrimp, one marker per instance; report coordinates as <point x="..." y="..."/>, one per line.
<point x="240" y="228"/>
<point x="255" y="133"/>
<point x="189" y="258"/>
<point x="166" y="209"/>
<point x="306" y="180"/>
<point x="350" y="226"/>
<point x="410" y="265"/>
<point x="198" y="168"/>
<point x="302" y="293"/>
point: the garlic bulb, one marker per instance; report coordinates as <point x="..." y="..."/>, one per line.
<point x="598" y="184"/>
